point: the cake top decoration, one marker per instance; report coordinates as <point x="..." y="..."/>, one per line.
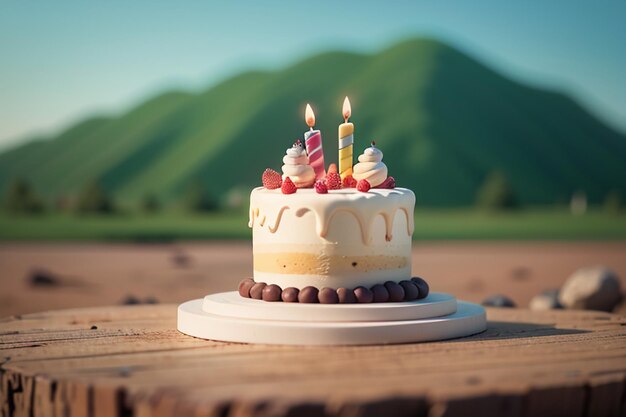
<point x="371" y="167"/>
<point x="304" y="162"/>
<point x="296" y="166"/>
<point x="297" y="150"/>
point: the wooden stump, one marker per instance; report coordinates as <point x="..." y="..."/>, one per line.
<point x="131" y="361"/>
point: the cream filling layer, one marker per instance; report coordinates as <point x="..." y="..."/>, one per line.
<point x="320" y="264"/>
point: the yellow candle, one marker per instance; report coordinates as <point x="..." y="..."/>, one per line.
<point x="346" y="141"/>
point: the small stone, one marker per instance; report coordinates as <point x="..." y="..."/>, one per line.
<point x="94" y="327"/>
<point x="422" y="286"/>
<point x="381" y="295"/>
<point x="396" y="292"/>
<point x="131" y="300"/>
<point x="328" y="296"/>
<point x="256" y="291"/>
<point x="290" y="295"/>
<point x="595" y="288"/>
<point x="308" y="295"/>
<point x="548" y="300"/>
<point x="181" y="259"/>
<point x="43" y="278"/>
<point x="410" y="290"/>
<point x="271" y="293"/>
<point x="363" y="295"/>
<point x="346" y="296"/>
<point x="245" y="286"/>
<point x="498" y="301"/>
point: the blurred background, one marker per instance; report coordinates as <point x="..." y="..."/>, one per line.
<point x="131" y="135"/>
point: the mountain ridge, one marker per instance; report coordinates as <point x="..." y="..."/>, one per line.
<point x="443" y="120"/>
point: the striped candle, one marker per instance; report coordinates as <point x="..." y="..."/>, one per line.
<point x="313" y="141"/>
<point x="346" y="141"/>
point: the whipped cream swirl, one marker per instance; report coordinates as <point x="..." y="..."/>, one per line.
<point x="297" y="166"/>
<point x="371" y="167"/>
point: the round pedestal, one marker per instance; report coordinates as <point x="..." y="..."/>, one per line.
<point x="231" y="304"/>
<point x="228" y="317"/>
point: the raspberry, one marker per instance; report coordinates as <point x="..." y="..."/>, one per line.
<point x="320" y="187"/>
<point x="333" y="181"/>
<point x="288" y="186"/>
<point x="363" y="186"/>
<point x="332" y="168"/>
<point x="389" y="183"/>
<point x="271" y="179"/>
<point x="349" y="182"/>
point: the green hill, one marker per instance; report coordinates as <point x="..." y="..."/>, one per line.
<point x="443" y="120"/>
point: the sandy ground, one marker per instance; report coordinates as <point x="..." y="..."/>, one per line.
<point x="104" y="274"/>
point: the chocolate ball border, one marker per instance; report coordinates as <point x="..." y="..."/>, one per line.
<point x="389" y="292"/>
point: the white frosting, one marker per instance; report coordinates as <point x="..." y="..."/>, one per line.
<point x="370" y="167"/>
<point x="296" y="167"/>
<point x="338" y="227"/>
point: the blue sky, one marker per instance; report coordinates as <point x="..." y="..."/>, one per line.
<point x="63" y="60"/>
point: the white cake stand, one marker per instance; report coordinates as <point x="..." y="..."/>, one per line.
<point x="232" y="318"/>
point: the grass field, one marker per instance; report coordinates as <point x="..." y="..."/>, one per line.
<point x="429" y="225"/>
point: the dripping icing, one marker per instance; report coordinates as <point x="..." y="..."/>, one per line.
<point x="324" y="210"/>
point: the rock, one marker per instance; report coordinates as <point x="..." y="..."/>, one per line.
<point x="498" y="301"/>
<point x="151" y="300"/>
<point x="43" y="278"/>
<point x="548" y="300"/>
<point x="521" y="273"/>
<point x="594" y="288"/>
<point x="181" y="259"/>
<point x="130" y="300"/>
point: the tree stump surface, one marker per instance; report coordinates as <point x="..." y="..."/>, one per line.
<point x="131" y="361"/>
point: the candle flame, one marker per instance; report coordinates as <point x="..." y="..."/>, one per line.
<point x="309" y="116"/>
<point x="347" y="109"/>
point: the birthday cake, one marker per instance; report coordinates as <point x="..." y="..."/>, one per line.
<point x="341" y="235"/>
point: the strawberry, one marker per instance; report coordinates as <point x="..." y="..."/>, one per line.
<point x="349" y="182"/>
<point x="320" y="187"/>
<point x="288" y="186"/>
<point x="333" y="181"/>
<point x="363" y="186"/>
<point x="389" y="183"/>
<point x="271" y="179"/>
<point x="332" y="168"/>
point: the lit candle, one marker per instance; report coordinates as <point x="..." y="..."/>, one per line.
<point x="346" y="141"/>
<point x="313" y="141"/>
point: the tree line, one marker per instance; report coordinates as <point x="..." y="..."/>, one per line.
<point x="22" y="198"/>
<point x="494" y="194"/>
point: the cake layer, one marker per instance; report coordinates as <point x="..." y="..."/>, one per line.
<point x="344" y="238"/>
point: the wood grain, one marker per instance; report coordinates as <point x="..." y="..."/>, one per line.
<point x="130" y="361"/>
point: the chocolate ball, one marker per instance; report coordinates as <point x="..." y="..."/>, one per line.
<point x="256" y="291"/>
<point x="346" y="296"/>
<point x="244" y="287"/>
<point x="328" y="296"/>
<point x="363" y="295"/>
<point x="381" y="295"/>
<point x="271" y="293"/>
<point x="290" y="295"/>
<point x="308" y="295"/>
<point x="410" y="290"/>
<point x="396" y="292"/>
<point x="422" y="286"/>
